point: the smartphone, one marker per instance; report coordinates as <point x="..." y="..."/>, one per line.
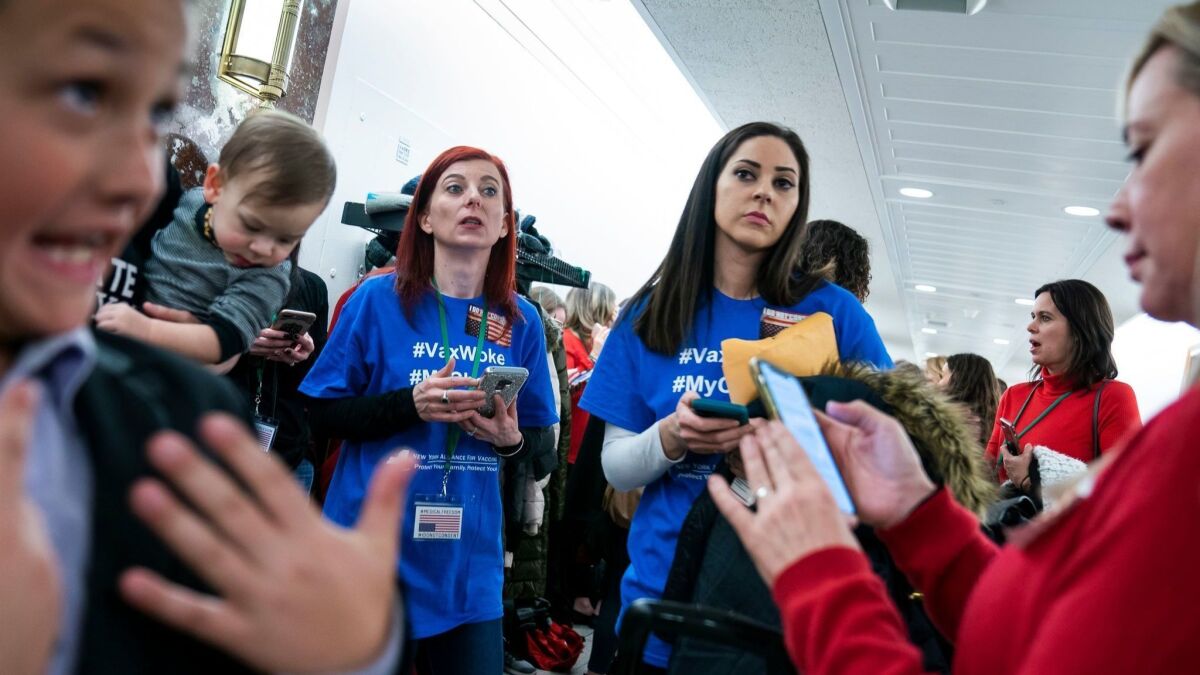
<point x="786" y="401"/>
<point x="708" y="407"/>
<point x="504" y="380"/>
<point x="293" y="322"/>
<point x="1011" y="442"/>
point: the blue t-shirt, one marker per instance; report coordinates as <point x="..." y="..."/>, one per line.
<point x="375" y="349"/>
<point x="633" y="387"/>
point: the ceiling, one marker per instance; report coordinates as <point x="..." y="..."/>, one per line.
<point x="1007" y="116"/>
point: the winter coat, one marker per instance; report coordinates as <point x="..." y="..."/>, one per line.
<point x="712" y="568"/>
<point x="532" y="497"/>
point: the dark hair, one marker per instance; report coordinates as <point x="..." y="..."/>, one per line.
<point x="684" y="279"/>
<point x="1091" y="322"/>
<point x="973" y="383"/>
<point x="296" y="166"/>
<point x="836" y="252"/>
<point x="414" y="255"/>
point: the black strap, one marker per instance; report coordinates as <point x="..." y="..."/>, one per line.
<point x="1042" y="415"/>
<point x="1096" y="422"/>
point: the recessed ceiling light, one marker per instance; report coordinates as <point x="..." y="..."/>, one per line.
<point x="929" y="331"/>
<point x="1000" y="341"/>
<point x="1085" y="211"/>
<point x="916" y="193"/>
<point x="1024" y="301"/>
<point x="926" y="288"/>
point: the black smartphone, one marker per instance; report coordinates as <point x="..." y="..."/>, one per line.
<point x="709" y="407"/>
<point x="1011" y="443"/>
<point x="786" y="401"/>
<point x="504" y="380"/>
<point x="293" y="322"/>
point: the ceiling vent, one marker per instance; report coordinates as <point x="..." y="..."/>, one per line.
<point x="952" y="6"/>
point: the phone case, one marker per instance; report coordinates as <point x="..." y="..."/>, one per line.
<point x="294" y="322"/>
<point x="504" y="380"/>
<point x="707" y="407"/>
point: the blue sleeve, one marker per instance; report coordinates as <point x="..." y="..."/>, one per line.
<point x="535" y="405"/>
<point x="612" y="392"/>
<point x="857" y="337"/>
<point x="342" y="370"/>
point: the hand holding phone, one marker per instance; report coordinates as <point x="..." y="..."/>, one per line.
<point x="1011" y="442"/>
<point x="504" y="380"/>
<point x="294" y="322"/>
<point x="786" y="401"/>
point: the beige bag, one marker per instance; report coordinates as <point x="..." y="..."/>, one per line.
<point x="620" y="506"/>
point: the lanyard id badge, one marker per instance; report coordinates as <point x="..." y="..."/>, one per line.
<point x="264" y="426"/>
<point x="452" y="435"/>
<point x="437" y="517"/>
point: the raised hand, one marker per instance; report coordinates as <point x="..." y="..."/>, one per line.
<point x="29" y="584"/>
<point x="294" y="592"/>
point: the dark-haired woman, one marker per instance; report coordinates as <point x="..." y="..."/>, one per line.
<point x="729" y="273"/>
<point x="400" y="370"/>
<point x="971" y="381"/>
<point x="1074" y="410"/>
<point x="836" y="252"/>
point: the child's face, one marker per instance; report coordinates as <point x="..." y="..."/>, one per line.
<point x="252" y="234"/>
<point x="84" y="88"/>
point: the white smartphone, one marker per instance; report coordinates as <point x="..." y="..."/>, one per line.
<point x="785" y="400"/>
<point x="504" y="380"/>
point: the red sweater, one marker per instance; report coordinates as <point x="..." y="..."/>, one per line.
<point x="578" y="358"/>
<point x="1110" y="587"/>
<point x="1068" y="428"/>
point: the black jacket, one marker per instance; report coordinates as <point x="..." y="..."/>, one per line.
<point x="281" y="398"/>
<point x="134" y="392"/>
<point x="712" y="568"/>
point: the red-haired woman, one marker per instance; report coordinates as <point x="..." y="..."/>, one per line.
<point x="400" y="370"/>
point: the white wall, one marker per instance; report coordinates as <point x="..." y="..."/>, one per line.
<point x="601" y="133"/>
<point x="1151" y="356"/>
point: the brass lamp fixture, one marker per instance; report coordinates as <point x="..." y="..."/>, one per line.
<point x="259" y="37"/>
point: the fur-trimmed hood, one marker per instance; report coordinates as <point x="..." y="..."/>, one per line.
<point x="938" y="428"/>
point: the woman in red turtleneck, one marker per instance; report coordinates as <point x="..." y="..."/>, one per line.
<point x="1058" y="421"/>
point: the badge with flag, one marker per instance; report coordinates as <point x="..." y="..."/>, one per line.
<point x="498" y="330"/>
<point x="438" y="521"/>
<point x="775" y="321"/>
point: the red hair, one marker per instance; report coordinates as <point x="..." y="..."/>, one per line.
<point x="414" y="254"/>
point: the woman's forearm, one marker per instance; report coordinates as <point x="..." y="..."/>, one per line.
<point x="632" y="460"/>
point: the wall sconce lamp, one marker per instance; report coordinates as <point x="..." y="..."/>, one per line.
<point x="256" y="53"/>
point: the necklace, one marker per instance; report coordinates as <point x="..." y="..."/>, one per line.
<point x="208" y="228"/>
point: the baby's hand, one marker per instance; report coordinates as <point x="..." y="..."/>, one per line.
<point x="122" y="319"/>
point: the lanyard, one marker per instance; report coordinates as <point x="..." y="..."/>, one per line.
<point x="1045" y="412"/>
<point x="453" y="434"/>
<point x="258" y="395"/>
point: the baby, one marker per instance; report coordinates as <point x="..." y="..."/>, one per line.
<point x="225" y="258"/>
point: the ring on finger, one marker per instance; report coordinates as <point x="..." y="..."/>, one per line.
<point x="471" y="432"/>
<point x="446" y="396"/>
<point x="762" y="493"/>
